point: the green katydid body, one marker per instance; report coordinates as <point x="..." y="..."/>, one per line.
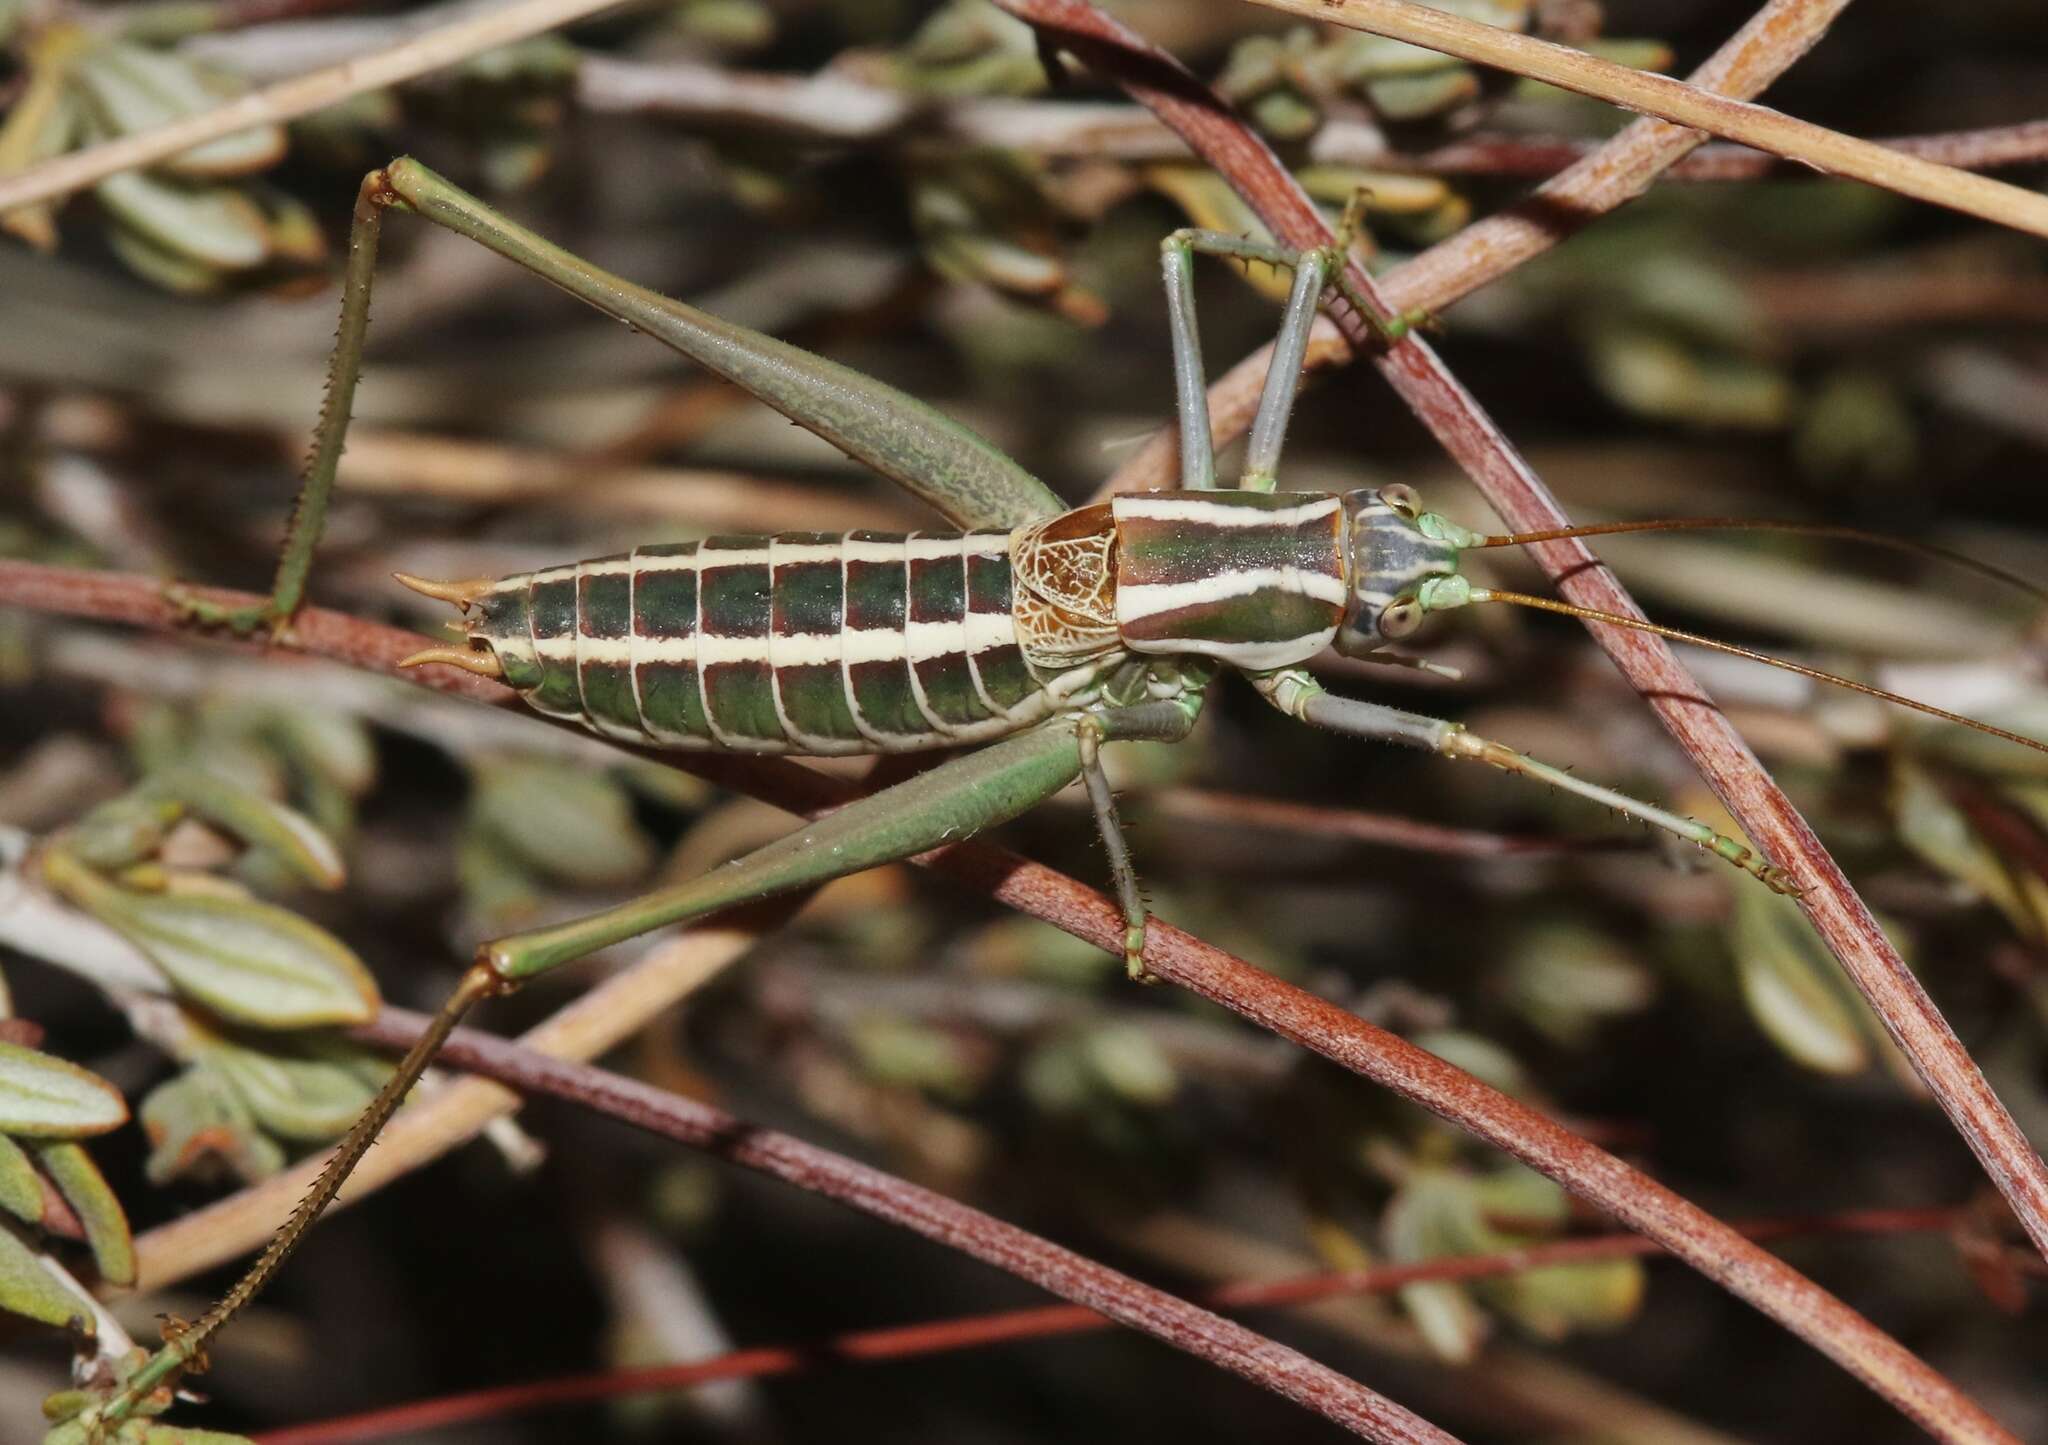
<point x="890" y="642"/>
<point x="1033" y="632"/>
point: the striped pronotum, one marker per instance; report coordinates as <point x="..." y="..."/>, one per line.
<point x="797" y="643"/>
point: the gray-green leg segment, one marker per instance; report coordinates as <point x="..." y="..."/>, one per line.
<point x="964" y="476"/>
<point x="1276" y="402"/>
<point x="955" y="800"/>
<point x="1166" y="722"/>
<point x="344" y="365"/>
<point x="1299" y="695"/>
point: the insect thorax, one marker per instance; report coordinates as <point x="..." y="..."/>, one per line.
<point x="1256" y="580"/>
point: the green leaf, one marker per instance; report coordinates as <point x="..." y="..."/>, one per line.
<point x="1556" y="1300"/>
<point x="1566" y="980"/>
<point x="134" y="89"/>
<point x="198" y="1117"/>
<point x="27" y="1289"/>
<point x="249" y="962"/>
<point x="85" y="1189"/>
<point x="1551" y="1302"/>
<point x="1479" y="1056"/>
<point x="45" y="1097"/>
<point x="21" y="1186"/>
<point x="309" y="1099"/>
<point x="178" y="274"/>
<point x="1413" y="97"/>
<point x="1442" y="1212"/>
<point x="1130" y="1061"/>
<point x="1428" y="1217"/>
<point x="568" y="823"/>
<point x="201" y="225"/>
<point x="1519" y="1192"/>
<point x="43" y="122"/>
<point x="1942" y="836"/>
<point x="908" y="1053"/>
<point x="123" y="830"/>
<point x="328" y="744"/>
<point x="258" y="821"/>
<point x="1791" y="984"/>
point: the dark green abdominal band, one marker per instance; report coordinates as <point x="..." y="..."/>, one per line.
<point x="938" y="601"/>
<point x="664" y="616"/>
<point x="1002" y="671"/>
<point x="801" y="642"/>
<point x="734" y="609"/>
<point x="604" y="618"/>
<point x="808" y="615"/>
<point x="551" y="619"/>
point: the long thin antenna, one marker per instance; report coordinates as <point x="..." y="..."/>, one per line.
<point x="1759" y="524"/>
<point x="1567" y="609"/>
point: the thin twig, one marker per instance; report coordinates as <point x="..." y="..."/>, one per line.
<point x="1336" y="1034"/>
<point x="301" y="95"/>
<point x="1652" y="94"/>
<point x="392" y="462"/>
<point x="1519" y="496"/>
<point x="1311" y="820"/>
<point x="1099" y="1289"/>
<point x="831" y="106"/>
<point x="1342" y="142"/>
<point x="683" y="1119"/>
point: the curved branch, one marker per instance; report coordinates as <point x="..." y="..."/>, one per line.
<point x="1422" y="1078"/>
<point x="1463" y="428"/>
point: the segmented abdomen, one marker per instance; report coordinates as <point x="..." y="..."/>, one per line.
<point x="798" y="643"/>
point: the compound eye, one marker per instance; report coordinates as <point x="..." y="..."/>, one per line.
<point x="1402" y="499"/>
<point x="1400" y="618"/>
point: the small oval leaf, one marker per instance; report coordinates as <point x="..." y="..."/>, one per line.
<point x="21" y="1187"/>
<point x="1789" y="981"/>
<point x="1430" y="1215"/>
<point x="258" y="821"/>
<point x="309" y="1100"/>
<point x="197" y="1118"/>
<point x="568" y="823"/>
<point x="85" y="1189"/>
<point x="204" y="225"/>
<point x="29" y="1290"/>
<point x="133" y="88"/>
<point x="45" y="1097"/>
<point x="247" y="961"/>
<point x="335" y="745"/>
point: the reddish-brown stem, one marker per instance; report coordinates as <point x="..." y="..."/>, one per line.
<point x="1351" y="825"/>
<point x="1059" y="1271"/>
<point x="694" y="1123"/>
<point x="1462" y="427"/>
<point x="1336" y="1034"/>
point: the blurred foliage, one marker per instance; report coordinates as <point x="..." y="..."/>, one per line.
<point x="1786" y="347"/>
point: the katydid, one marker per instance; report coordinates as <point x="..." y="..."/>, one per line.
<point x="1028" y="631"/>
